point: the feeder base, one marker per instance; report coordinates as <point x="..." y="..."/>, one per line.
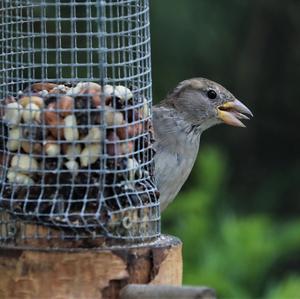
<point x="88" y="273"/>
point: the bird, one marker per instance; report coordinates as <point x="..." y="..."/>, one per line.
<point x="178" y="122"/>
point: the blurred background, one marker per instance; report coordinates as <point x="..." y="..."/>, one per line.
<point x="238" y="213"/>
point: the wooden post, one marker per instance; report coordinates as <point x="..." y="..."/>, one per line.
<point x="81" y="273"/>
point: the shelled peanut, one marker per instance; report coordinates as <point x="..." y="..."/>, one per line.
<point x="52" y="126"/>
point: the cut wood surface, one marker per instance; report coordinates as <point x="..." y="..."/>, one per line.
<point x="92" y="273"/>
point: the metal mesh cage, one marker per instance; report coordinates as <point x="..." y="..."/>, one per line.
<point x="76" y="135"/>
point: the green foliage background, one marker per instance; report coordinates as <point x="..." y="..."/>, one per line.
<point x="238" y="213"/>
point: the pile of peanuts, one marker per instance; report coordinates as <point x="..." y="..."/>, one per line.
<point x="59" y="138"/>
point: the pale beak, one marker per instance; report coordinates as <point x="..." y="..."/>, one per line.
<point x="231" y="112"/>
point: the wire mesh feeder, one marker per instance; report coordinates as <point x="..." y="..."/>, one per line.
<point x="76" y="130"/>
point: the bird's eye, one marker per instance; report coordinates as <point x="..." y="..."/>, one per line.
<point x="211" y="94"/>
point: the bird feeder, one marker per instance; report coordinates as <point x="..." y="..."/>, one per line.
<point x="79" y="206"/>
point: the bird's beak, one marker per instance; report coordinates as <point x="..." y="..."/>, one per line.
<point x="231" y="113"/>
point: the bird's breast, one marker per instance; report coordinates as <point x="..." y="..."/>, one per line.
<point x="176" y="151"/>
<point x="172" y="168"/>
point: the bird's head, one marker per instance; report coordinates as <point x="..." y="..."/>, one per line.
<point x="205" y="103"/>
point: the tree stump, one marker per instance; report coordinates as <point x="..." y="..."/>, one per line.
<point x="46" y="271"/>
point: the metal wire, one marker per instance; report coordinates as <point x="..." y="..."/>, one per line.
<point x="75" y="134"/>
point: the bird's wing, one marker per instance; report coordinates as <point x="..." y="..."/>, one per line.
<point x="165" y="129"/>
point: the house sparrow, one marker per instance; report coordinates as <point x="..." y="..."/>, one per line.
<point x="192" y="107"/>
